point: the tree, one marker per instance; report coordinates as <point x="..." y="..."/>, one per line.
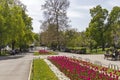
<point x="27" y="36"/>
<point x="96" y="26"/>
<point x="114" y="26"/>
<point x="37" y="39"/>
<point x="15" y="24"/>
<point x="71" y="36"/>
<point x="89" y="41"/>
<point x="48" y="37"/>
<point x="2" y="21"/>
<point x="4" y="10"/>
<point x="20" y="26"/>
<point x="55" y="14"/>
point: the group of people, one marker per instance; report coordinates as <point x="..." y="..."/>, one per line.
<point x="112" y="53"/>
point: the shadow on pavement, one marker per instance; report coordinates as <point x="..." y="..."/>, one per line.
<point x="11" y="57"/>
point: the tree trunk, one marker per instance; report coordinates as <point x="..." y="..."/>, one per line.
<point x="103" y="47"/>
<point x="13" y="45"/>
<point x="96" y="49"/>
<point x="103" y="42"/>
<point x="57" y="27"/>
<point x="0" y="51"/>
<point x="91" y="47"/>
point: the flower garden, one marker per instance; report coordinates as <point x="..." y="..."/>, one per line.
<point x="81" y="70"/>
<point x="78" y="69"/>
<point x="44" y="52"/>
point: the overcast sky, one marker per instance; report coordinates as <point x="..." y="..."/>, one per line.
<point x="78" y="11"/>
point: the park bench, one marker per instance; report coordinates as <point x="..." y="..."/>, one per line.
<point x="106" y="56"/>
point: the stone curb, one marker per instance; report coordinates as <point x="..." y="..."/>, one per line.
<point x="56" y="71"/>
<point x="30" y="71"/>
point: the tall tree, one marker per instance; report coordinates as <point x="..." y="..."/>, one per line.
<point x="55" y="14"/>
<point x="96" y="26"/>
<point x="114" y="25"/>
<point x="15" y="24"/>
<point x="4" y="12"/>
<point x="71" y="37"/>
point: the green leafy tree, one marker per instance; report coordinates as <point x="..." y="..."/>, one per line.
<point x="89" y="41"/>
<point x="71" y="38"/>
<point x="4" y="9"/>
<point x="15" y="24"/>
<point x="113" y="25"/>
<point x="96" y="26"/>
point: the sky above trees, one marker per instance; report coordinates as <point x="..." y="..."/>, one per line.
<point x="78" y="12"/>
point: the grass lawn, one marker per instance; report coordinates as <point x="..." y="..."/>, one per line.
<point x="99" y="51"/>
<point x="36" y="53"/>
<point x="41" y="71"/>
<point x="50" y="53"/>
<point x="4" y="54"/>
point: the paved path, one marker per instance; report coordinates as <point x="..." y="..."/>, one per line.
<point x="15" y="67"/>
<point x="93" y="58"/>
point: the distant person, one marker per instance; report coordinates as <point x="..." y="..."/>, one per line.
<point x="107" y="54"/>
<point x="115" y="54"/>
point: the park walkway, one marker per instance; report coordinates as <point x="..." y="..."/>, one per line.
<point x="15" y="67"/>
<point x="93" y="58"/>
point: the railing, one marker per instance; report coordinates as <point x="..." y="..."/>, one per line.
<point x="113" y="66"/>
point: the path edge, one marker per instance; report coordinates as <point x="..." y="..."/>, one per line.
<point x="30" y="70"/>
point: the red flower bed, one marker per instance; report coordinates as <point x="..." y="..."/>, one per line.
<point x="81" y="70"/>
<point x="44" y="52"/>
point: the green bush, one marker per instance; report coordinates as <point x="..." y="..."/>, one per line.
<point x="83" y="50"/>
